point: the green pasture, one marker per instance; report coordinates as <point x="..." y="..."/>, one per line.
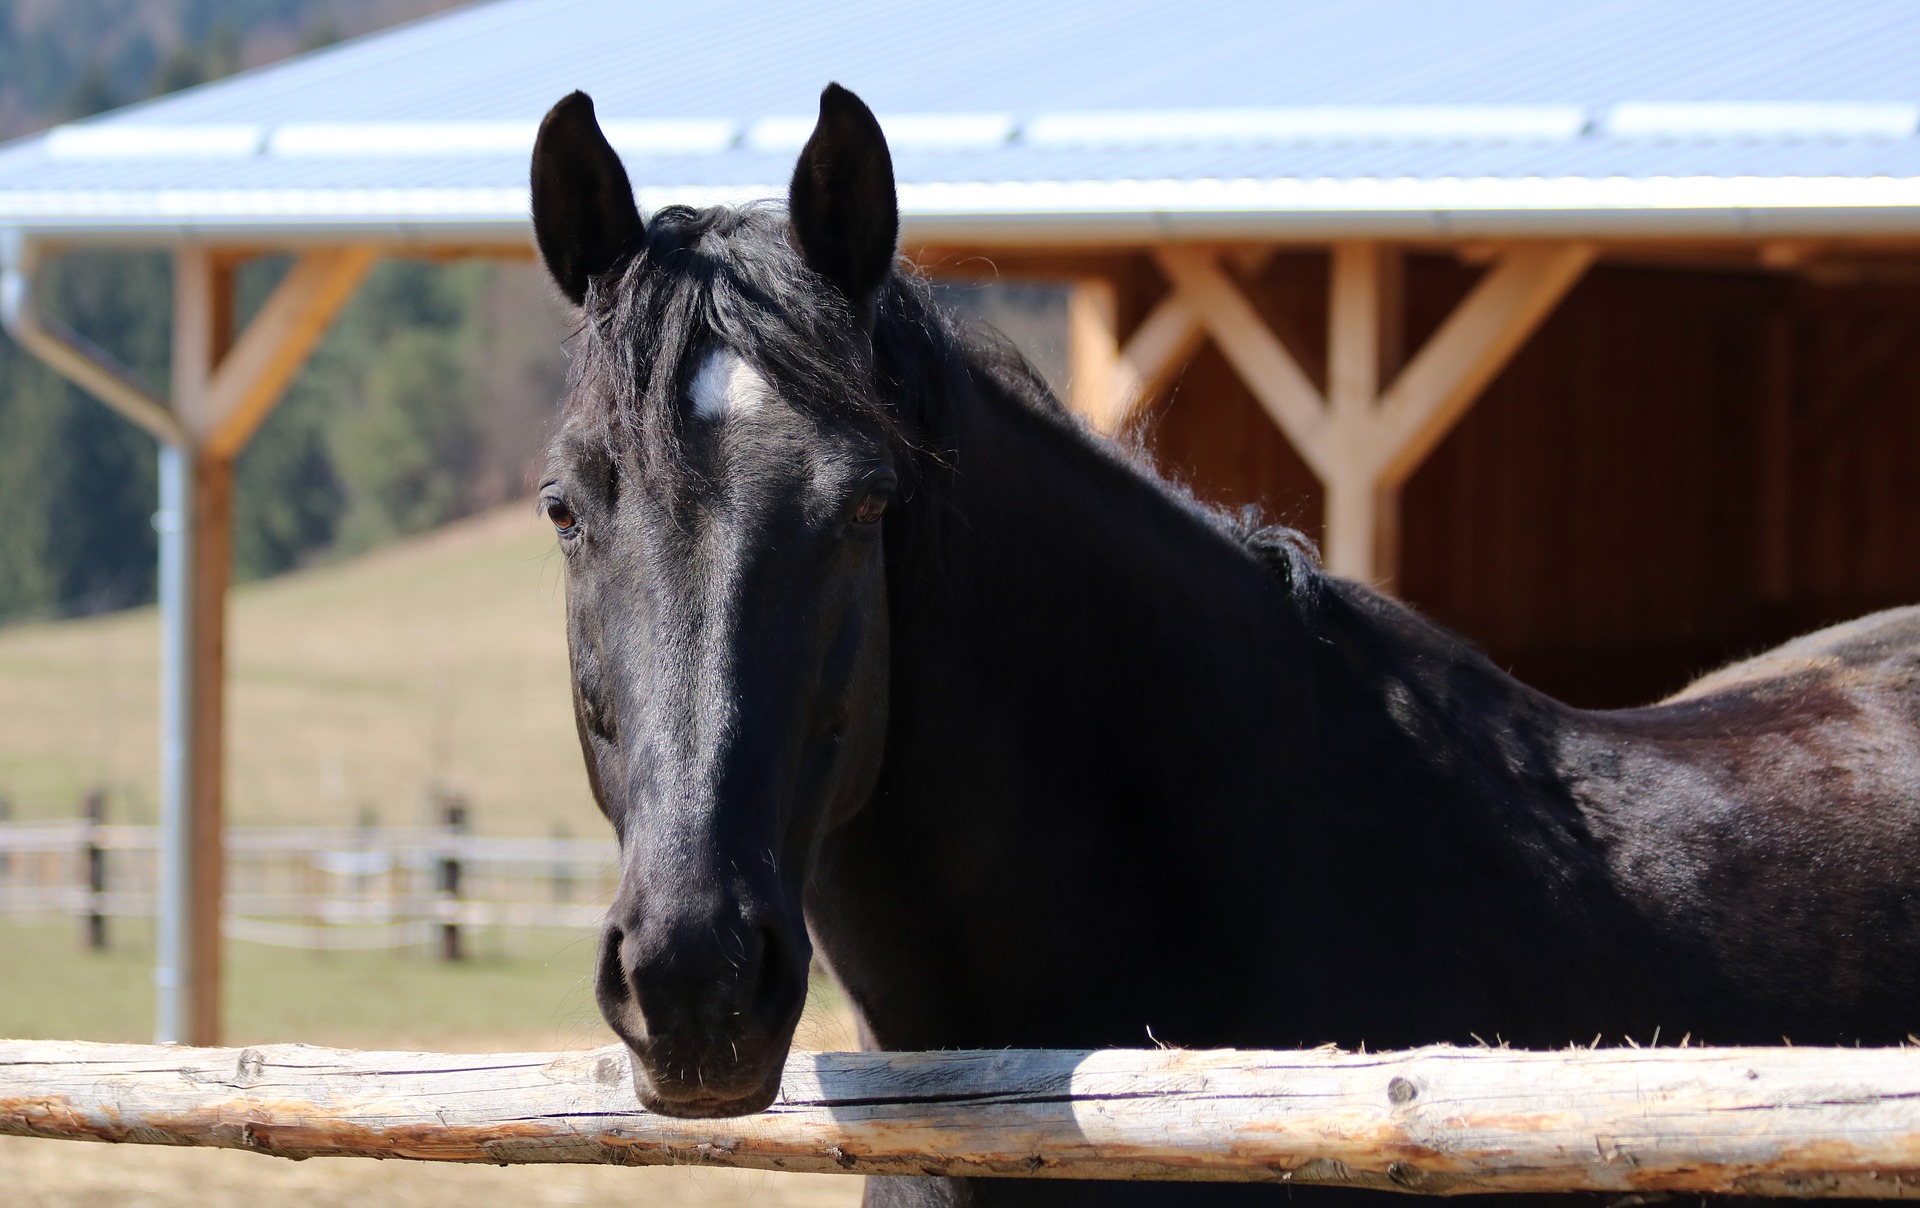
<point x="527" y="990"/>
<point x="538" y="997"/>
<point x="352" y="689"/>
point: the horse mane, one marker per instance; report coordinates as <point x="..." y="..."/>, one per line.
<point x="730" y="276"/>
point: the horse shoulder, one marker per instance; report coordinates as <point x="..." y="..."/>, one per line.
<point x="1770" y="814"/>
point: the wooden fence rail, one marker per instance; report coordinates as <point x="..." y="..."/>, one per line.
<point x="1801" y="1122"/>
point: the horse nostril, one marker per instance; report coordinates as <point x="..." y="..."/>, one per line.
<point x="611" y="986"/>
<point x="772" y="986"/>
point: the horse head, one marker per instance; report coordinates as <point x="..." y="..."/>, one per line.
<point x="718" y="484"/>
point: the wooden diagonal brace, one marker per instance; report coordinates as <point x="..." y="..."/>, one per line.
<point x="1278" y="383"/>
<point x="70" y="354"/>
<point x="1475" y="343"/>
<point x="1164" y="342"/>
<point x="264" y="361"/>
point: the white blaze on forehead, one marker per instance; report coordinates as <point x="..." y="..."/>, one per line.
<point x="727" y="385"/>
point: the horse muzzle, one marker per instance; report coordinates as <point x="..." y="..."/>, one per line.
<point x="707" y="1005"/>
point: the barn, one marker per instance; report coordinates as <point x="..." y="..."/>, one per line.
<point x="1590" y="330"/>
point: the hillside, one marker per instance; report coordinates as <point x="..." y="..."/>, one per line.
<point x="352" y="688"/>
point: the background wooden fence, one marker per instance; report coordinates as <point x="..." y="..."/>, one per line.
<point x="319" y="888"/>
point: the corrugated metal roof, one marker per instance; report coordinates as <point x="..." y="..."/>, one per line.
<point x="1123" y="119"/>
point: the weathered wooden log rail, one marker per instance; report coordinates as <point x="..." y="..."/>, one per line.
<point x="1804" y="1122"/>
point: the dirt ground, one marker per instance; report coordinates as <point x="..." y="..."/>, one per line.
<point x="67" y="1174"/>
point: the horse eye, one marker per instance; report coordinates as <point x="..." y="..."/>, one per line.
<point x="871" y="509"/>
<point x="562" y="517"/>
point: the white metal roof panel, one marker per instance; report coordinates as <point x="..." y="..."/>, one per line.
<point x="1122" y="119"/>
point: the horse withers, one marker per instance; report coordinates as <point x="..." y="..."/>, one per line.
<point x="880" y="653"/>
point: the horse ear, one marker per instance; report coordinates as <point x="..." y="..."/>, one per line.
<point x="584" y="218"/>
<point x="846" y="221"/>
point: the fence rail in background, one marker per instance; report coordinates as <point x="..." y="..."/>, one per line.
<point x="320" y="888"/>
<point x="1441" y="1121"/>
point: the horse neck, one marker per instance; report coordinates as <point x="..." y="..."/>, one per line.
<point x="1073" y="594"/>
<point x="1094" y="682"/>
<point x="1078" y="604"/>
<point x="1441" y="713"/>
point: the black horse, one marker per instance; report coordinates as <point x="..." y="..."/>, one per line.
<point x="877" y="650"/>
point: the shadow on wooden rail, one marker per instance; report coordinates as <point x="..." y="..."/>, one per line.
<point x="1798" y="1122"/>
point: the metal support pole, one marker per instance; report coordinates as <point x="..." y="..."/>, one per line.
<point x="174" y="957"/>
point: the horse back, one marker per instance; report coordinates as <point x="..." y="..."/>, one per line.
<point x="1766" y="821"/>
<point x="1875" y="656"/>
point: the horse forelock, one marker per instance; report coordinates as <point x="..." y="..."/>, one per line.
<point x="703" y="281"/>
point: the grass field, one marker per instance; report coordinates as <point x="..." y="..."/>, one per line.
<point x="535" y="996"/>
<point x="352" y="688"/>
<point x="537" y="999"/>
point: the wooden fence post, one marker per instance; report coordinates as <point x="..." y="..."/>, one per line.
<point x="94" y="862"/>
<point x="456" y="823"/>
<point x="365" y="843"/>
<point x="314" y="885"/>
<point x="562" y="869"/>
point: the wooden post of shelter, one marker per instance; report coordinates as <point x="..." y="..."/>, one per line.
<point x="189" y="967"/>
<point x="1093" y="348"/>
<point x="1113" y="380"/>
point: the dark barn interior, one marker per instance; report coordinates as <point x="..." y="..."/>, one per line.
<point x="1684" y="464"/>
